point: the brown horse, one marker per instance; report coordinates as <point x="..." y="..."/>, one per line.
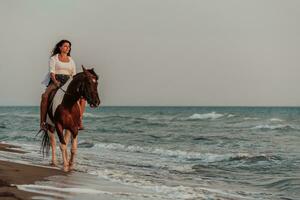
<point x="67" y="115"/>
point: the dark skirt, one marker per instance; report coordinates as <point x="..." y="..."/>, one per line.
<point x="62" y="78"/>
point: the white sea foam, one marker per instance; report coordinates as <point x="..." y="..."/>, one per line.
<point x="175" y="192"/>
<point x="117" y="191"/>
<point x="212" y="115"/>
<point x="250" y="118"/>
<point x="273" y="127"/>
<point x="182" y="168"/>
<point x="168" y="192"/>
<point x="4" y="114"/>
<point x="276" y="120"/>
<point x="71" y="192"/>
<point x="181" y="155"/>
<point x="205" y="157"/>
<point x="86" y="114"/>
<point x="28" y="115"/>
<point x="31" y="115"/>
<point x="230" y="115"/>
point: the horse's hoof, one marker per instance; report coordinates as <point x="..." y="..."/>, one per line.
<point x="66" y="169"/>
<point x="71" y="166"/>
<point x="53" y="164"/>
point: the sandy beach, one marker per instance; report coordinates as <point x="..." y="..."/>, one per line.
<point x="23" y="182"/>
<point x="14" y="174"/>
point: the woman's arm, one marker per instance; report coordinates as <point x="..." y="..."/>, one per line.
<point x="52" y="71"/>
<point x="56" y="82"/>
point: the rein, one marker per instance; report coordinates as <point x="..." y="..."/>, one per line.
<point x="67" y="93"/>
<point x="64" y="91"/>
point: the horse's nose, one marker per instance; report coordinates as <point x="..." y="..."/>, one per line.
<point x="97" y="103"/>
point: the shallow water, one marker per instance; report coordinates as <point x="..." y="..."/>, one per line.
<point x="172" y="152"/>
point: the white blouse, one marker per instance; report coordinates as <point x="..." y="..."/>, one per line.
<point x="58" y="67"/>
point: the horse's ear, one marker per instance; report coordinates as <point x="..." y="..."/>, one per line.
<point x="83" y="68"/>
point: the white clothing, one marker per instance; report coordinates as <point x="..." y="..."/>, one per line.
<point x="58" y="67"/>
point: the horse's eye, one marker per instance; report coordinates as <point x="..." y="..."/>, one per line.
<point x="94" y="80"/>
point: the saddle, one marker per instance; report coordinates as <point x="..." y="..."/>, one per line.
<point x="54" y="100"/>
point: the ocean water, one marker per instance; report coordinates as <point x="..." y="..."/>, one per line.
<point x="170" y="152"/>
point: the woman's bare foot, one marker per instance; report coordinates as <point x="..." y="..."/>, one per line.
<point x="43" y="126"/>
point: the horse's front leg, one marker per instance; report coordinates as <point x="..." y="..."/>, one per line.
<point x="73" y="148"/>
<point x="63" y="145"/>
<point x="53" y="148"/>
<point x="73" y="153"/>
<point x="67" y="137"/>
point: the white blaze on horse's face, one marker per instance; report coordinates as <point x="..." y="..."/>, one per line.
<point x="91" y="90"/>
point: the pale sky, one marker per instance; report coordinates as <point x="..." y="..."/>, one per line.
<point x="158" y="52"/>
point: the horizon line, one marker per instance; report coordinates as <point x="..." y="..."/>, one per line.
<point x="266" y="106"/>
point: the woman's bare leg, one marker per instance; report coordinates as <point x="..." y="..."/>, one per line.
<point x="44" y="105"/>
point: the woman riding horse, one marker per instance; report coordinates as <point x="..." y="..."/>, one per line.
<point x="65" y="114"/>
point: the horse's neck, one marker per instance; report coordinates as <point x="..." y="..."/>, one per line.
<point x="72" y="96"/>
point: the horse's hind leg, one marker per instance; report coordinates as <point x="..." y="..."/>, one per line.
<point x="53" y="148"/>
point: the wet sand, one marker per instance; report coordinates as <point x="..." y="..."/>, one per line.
<point x="10" y="148"/>
<point x="15" y="174"/>
<point x="23" y="182"/>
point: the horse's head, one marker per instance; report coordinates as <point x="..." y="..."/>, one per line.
<point x="89" y="87"/>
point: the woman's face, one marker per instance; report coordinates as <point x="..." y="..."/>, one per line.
<point x="65" y="48"/>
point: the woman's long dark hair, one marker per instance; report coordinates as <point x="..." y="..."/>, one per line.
<point x="56" y="49"/>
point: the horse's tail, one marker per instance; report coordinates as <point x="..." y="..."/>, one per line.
<point x="45" y="145"/>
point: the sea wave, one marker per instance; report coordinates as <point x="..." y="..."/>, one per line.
<point x="73" y="191"/>
<point x="113" y="117"/>
<point x="203" y="157"/>
<point x="28" y="115"/>
<point x="284" y="183"/>
<point x="206" y="157"/>
<point x="20" y="115"/>
<point x="174" y="192"/>
<point x="230" y="115"/>
<point x="90" y="115"/>
<point x="85" y="144"/>
<point x="250" y="118"/>
<point x="275" y="127"/>
<point x="2" y="126"/>
<point x="212" y="115"/>
<point x="276" y="120"/>
<point x="254" y="158"/>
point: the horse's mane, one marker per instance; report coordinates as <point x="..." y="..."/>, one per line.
<point x="91" y="71"/>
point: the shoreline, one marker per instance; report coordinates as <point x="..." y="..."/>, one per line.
<point x="12" y="174"/>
